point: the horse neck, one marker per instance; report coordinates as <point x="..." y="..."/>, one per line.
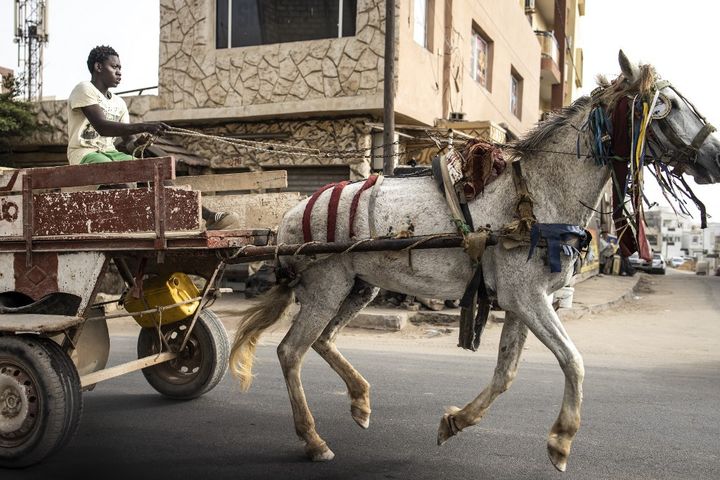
<point x="562" y="185"/>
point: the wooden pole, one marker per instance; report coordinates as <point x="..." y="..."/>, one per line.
<point x="389" y="147"/>
<point x="254" y="253"/>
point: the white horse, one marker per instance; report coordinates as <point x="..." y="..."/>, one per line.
<point x="331" y="290"/>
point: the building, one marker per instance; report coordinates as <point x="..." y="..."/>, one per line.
<point x="4" y="73"/>
<point x="673" y="235"/>
<point x="309" y="73"/>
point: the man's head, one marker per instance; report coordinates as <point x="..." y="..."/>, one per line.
<point x="104" y="65"/>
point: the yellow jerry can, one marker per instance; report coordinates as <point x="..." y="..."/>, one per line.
<point x="162" y="291"/>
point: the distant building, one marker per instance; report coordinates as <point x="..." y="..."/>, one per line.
<point x="674" y="235"/>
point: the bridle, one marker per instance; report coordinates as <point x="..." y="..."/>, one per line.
<point x="680" y="152"/>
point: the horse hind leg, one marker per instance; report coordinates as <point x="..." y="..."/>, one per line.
<point x="320" y="295"/>
<point x="358" y="388"/>
<point x="512" y="340"/>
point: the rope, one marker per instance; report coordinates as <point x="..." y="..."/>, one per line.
<point x="150" y="140"/>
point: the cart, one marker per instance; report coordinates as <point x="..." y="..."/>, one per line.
<point x="56" y="243"/>
<point x="58" y="238"/>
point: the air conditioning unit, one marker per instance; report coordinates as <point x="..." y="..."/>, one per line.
<point x="529" y="7"/>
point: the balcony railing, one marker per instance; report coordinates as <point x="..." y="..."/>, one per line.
<point x="548" y="45"/>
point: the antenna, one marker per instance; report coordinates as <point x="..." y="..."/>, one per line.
<point x="31" y="35"/>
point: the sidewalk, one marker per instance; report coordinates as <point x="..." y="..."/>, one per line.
<point x="591" y="295"/>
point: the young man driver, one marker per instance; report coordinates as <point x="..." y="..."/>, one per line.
<point x="96" y="117"/>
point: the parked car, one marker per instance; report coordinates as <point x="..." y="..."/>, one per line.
<point x="675" y="262"/>
<point x="656" y="265"/>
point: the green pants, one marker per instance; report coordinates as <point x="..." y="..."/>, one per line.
<point x="105" y="157"/>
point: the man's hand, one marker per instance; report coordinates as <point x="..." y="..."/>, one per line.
<point x="155" y="128"/>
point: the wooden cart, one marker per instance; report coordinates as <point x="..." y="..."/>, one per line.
<point x="56" y="243"/>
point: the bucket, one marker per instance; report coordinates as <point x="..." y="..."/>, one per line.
<point x="564" y="297"/>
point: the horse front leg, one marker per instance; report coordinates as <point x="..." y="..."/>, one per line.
<point x="546" y="326"/>
<point x="512" y="340"/>
<point x="358" y="388"/>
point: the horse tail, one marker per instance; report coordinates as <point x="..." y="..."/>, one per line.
<point x="253" y="322"/>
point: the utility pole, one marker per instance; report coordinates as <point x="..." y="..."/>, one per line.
<point x="31" y="35"/>
<point x="389" y="147"/>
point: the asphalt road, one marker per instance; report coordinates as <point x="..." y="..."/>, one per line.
<point x="651" y="408"/>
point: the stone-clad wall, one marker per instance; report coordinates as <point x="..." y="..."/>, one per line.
<point x="349" y="137"/>
<point x="193" y="73"/>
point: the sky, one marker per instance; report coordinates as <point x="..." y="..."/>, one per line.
<point x="678" y="38"/>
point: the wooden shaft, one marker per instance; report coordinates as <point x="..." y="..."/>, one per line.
<point x="251" y="252"/>
<point x="139" y="364"/>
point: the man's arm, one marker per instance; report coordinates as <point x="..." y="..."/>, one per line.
<point x="108" y="128"/>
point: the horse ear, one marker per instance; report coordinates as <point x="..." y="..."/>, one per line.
<point x="630" y="71"/>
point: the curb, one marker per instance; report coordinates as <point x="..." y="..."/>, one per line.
<point x="389" y="319"/>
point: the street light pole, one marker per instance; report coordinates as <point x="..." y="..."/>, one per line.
<point x="389" y="147"/>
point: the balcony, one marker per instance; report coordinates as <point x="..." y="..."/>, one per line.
<point x="549" y="63"/>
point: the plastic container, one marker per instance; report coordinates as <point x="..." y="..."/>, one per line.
<point x="564" y="297"/>
<point x="161" y="291"/>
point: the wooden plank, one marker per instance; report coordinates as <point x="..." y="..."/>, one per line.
<point x="11" y="217"/>
<point x="101" y="173"/>
<point x="36" y="323"/>
<point x="261" y="210"/>
<point x="113" y="211"/>
<point x="235" y="181"/>
<point x="116" y="371"/>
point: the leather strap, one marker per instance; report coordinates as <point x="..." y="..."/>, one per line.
<point x="333" y="209"/>
<point x="307" y="233"/>
<point x="356" y="200"/>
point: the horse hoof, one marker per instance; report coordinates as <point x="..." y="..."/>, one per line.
<point x="361" y="417"/>
<point x="558" y="459"/>
<point x="319" y="453"/>
<point x="324" y="455"/>
<point x="447" y="426"/>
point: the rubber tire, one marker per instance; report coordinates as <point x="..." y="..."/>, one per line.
<point x="211" y="338"/>
<point x="58" y="388"/>
<point x="73" y="390"/>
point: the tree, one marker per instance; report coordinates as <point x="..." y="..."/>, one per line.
<point x="17" y="118"/>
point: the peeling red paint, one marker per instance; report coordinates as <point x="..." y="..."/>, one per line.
<point x="113" y="211"/>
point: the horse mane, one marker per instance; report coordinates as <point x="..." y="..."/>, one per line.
<point x="607" y="94"/>
<point x="536" y="138"/>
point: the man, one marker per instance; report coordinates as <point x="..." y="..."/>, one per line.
<point x="96" y="117"/>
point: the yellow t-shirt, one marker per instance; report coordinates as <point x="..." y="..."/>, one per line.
<point x="82" y="137"/>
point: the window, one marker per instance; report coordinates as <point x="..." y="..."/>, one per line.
<point x="516" y="88"/>
<point x="241" y="23"/>
<point x="423" y="22"/>
<point x="481" y="59"/>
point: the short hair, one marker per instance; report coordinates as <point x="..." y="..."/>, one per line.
<point x="100" y="54"/>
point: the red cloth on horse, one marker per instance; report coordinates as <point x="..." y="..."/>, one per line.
<point x="621" y="145"/>
<point x="307" y="233"/>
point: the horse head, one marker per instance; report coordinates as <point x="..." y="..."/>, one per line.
<point x="679" y="135"/>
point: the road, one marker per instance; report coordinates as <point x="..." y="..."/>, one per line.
<point x="651" y="407"/>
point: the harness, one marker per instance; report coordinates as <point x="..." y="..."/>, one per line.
<point x="476" y="302"/>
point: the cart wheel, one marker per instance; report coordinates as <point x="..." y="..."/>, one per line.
<point x="74" y="402"/>
<point x="199" y="368"/>
<point x="40" y="399"/>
